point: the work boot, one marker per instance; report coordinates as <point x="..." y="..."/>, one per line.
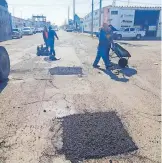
<point x="96" y="66"/>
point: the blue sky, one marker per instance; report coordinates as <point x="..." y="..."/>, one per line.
<point x="57" y="10"/>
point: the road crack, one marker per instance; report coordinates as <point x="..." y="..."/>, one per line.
<point x="144" y="89"/>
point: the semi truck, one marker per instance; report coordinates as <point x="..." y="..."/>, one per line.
<point x="5" y="34"/>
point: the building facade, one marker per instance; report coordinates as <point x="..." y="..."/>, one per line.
<point x="21" y="23"/>
<point x="36" y="23"/>
<point x="146" y="18"/>
<point x="78" y="23"/>
<point x="39" y="21"/>
<point x="5" y="24"/>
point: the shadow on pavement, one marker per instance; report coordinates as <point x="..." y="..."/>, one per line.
<point x="93" y="136"/>
<point x="66" y="71"/>
<point x="43" y="54"/>
<point x="48" y="59"/>
<point x="125" y="72"/>
<point x="3" y="85"/>
<point x="128" y="71"/>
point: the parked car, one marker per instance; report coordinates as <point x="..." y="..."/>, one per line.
<point x="129" y="33"/>
<point x="56" y="29"/>
<point x="34" y="30"/>
<point x="69" y="29"/>
<point x="17" y="33"/>
<point x="39" y="30"/>
<point x="27" y="31"/>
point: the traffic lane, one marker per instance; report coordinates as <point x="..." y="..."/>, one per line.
<point x="64" y="95"/>
<point x="17" y="42"/>
<point x="144" y="65"/>
<point x="22" y="49"/>
<point x="31" y="100"/>
<point x="136" y="101"/>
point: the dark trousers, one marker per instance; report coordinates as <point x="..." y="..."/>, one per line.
<point x="108" y="53"/>
<point x="51" y="45"/>
<point x="101" y="53"/>
<point x="46" y="43"/>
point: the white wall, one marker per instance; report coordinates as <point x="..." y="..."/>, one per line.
<point x="88" y="21"/>
<point x="159" y="26"/>
<point x="124" y="17"/>
<point x="121" y="17"/>
<point x="118" y="17"/>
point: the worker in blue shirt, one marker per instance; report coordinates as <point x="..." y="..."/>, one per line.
<point x="105" y="41"/>
<point x="51" y="41"/>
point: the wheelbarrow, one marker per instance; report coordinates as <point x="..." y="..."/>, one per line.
<point x="42" y="51"/>
<point x="123" y="55"/>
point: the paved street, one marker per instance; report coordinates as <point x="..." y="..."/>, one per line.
<point x="40" y="92"/>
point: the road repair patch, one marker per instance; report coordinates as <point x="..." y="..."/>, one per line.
<point x="96" y="135"/>
<point x="66" y="71"/>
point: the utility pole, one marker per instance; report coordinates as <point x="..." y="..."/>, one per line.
<point x="74" y="11"/>
<point x="114" y="3"/>
<point x="13" y="11"/>
<point x="68" y="13"/>
<point x="100" y="13"/>
<point x="92" y="18"/>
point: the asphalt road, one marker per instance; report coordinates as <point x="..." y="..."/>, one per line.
<point x="41" y="93"/>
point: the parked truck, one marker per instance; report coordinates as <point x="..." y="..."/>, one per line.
<point x="5" y="34"/>
<point x="129" y="33"/>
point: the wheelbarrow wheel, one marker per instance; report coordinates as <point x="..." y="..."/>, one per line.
<point x="4" y="64"/>
<point x="123" y="62"/>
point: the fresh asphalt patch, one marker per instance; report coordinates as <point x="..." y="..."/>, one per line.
<point x="66" y="71"/>
<point x="94" y="135"/>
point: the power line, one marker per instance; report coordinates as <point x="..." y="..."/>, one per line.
<point x="100" y="9"/>
<point x="92" y="18"/>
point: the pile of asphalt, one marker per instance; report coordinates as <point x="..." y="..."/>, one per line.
<point x="95" y="135"/>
